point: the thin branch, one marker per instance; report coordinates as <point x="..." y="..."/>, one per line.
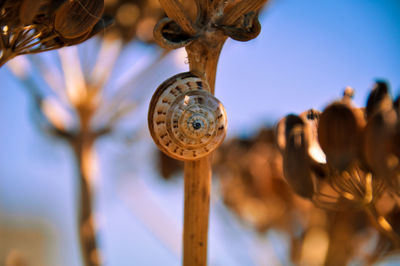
<point x="43" y="123"/>
<point x="52" y="77"/>
<point x="41" y="49"/>
<point x="240" y="9"/>
<point x="75" y="83"/>
<point x="119" y="114"/>
<point x="175" y="11"/>
<point x="127" y="88"/>
<point x="106" y="58"/>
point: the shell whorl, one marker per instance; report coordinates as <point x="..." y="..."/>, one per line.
<point x="185" y="120"/>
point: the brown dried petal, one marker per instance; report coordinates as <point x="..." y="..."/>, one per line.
<point x="247" y="30"/>
<point x="28" y="10"/>
<point x="296" y="164"/>
<point x="168" y="34"/>
<point x="378" y="99"/>
<point x="281" y="135"/>
<point x="236" y="11"/>
<point x="101" y="25"/>
<point x="379" y="148"/>
<point x="339" y="134"/>
<point x="77" y="17"/>
<point x="176" y="11"/>
<point x="54" y="5"/>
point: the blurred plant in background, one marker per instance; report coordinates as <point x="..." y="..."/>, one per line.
<point x="252" y="185"/>
<point x="346" y="159"/>
<point x="76" y="108"/>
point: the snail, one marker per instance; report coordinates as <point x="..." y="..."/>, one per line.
<point x="185" y="120"/>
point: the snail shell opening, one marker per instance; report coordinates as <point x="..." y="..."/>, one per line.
<point x="185" y="120"/>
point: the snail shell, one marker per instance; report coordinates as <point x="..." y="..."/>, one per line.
<point x="185" y="120"/>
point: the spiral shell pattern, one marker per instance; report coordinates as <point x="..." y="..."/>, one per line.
<point x="185" y="120"/>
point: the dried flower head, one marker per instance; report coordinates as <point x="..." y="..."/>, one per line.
<point x="193" y="20"/>
<point x="33" y="26"/>
<point x="360" y="155"/>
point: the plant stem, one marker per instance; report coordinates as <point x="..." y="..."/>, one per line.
<point x="382" y="225"/>
<point x="86" y="229"/>
<point x="203" y="59"/>
<point x="196" y="211"/>
<point x="83" y="145"/>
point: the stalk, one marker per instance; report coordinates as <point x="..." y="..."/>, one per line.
<point x="203" y="59"/>
<point x="83" y="145"/>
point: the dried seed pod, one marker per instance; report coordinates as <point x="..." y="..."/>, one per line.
<point x="296" y="161"/>
<point x="77" y="17"/>
<point x="379" y="143"/>
<point x="248" y="29"/>
<point x="168" y="34"/>
<point x="381" y="136"/>
<point x="280" y="133"/>
<point x="379" y="99"/>
<point x="185" y="120"/>
<point x="339" y="134"/>
<point x="311" y="117"/>
<point x="28" y="10"/>
<point x="396" y="105"/>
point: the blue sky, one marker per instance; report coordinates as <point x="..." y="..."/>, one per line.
<point x="307" y="52"/>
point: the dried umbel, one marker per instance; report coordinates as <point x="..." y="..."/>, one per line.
<point x="235" y="19"/>
<point x="29" y="26"/>
<point x="185" y="120"/>
<point x="362" y="159"/>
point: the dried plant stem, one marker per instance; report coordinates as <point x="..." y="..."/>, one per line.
<point x="203" y="59"/>
<point x="83" y="146"/>
<point x="5" y="57"/>
<point x="196" y="210"/>
<point x="382" y="225"/>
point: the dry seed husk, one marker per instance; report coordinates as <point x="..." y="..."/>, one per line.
<point x="168" y="34"/>
<point x="380" y="142"/>
<point x="281" y="135"/>
<point x="312" y="118"/>
<point x="77" y="17"/>
<point x="378" y="99"/>
<point x="316" y="155"/>
<point x="339" y="134"/>
<point x="101" y="25"/>
<point x="247" y="30"/>
<point x="296" y="164"/>
<point x="28" y="10"/>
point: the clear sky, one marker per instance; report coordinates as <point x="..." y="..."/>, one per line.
<point x="307" y="52"/>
